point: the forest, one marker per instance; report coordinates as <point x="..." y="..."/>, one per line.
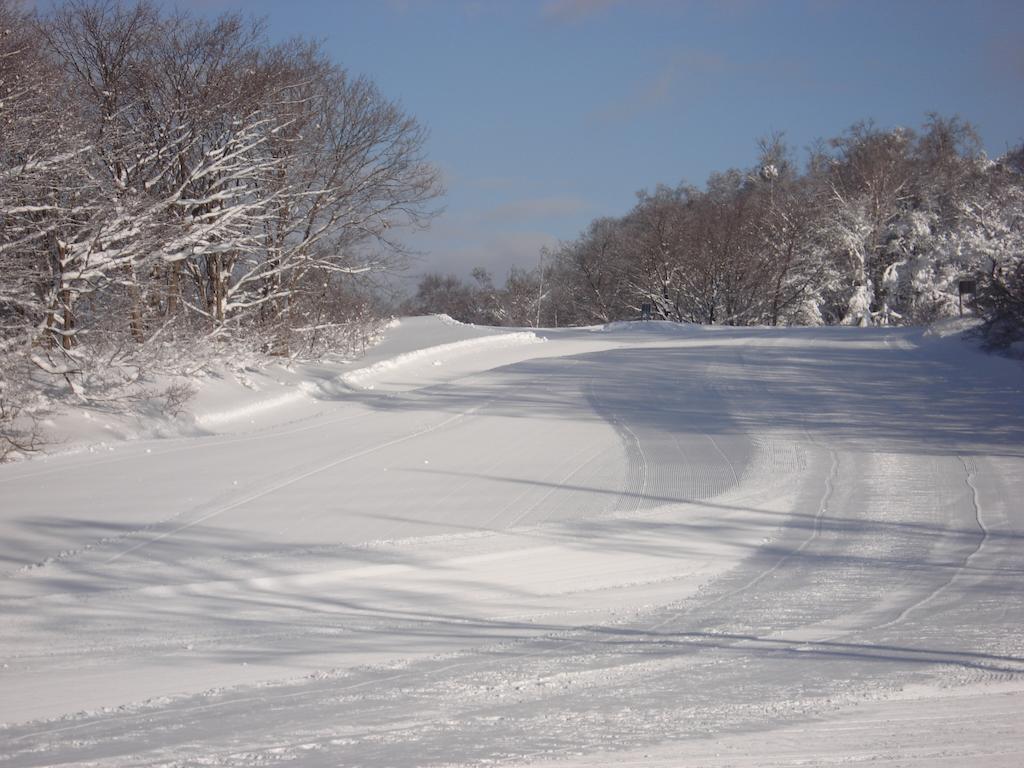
<point x="879" y="227"/>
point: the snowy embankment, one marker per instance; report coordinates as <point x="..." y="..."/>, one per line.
<point x="641" y="544"/>
<point x="238" y="398"/>
<point x="365" y="377"/>
<point x="408" y="347"/>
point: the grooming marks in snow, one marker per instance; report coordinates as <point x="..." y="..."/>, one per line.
<point x="641" y="544"/>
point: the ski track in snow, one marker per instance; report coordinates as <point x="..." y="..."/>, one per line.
<point x="760" y="576"/>
<point x="939" y="590"/>
<point x="638" y="547"/>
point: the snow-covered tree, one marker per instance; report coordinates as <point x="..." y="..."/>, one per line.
<point x="989" y="244"/>
<point x="590" y="274"/>
<point x="164" y="176"/>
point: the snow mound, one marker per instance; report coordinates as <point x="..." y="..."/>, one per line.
<point x="448" y="320"/>
<point x="304" y="390"/>
<point x="363" y="378"/>
<point x="952" y="326"/>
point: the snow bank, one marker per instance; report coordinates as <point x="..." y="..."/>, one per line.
<point x="431" y="341"/>
<point x="304" y="391"/>
<point x="363" y="378"/>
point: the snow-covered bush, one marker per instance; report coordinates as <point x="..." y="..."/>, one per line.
<point x="1001" y="300"/>
<point x="21" y="433"/>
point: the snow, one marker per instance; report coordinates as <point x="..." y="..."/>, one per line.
<point x="643" y="544"/>
<point x="365" y="377"/>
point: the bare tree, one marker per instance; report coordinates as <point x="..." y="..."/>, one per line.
<point x="235" y="165"/>
<point x="351" y="174"/>
<point x="164" y="175"/>
<point x="592" y="273"/>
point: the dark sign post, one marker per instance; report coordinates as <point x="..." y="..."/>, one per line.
<point x="966" y="286"/>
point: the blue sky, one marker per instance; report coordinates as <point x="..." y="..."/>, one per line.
<point x="544" y="115"/>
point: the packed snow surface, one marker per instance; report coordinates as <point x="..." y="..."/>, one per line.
<point x="641" y="544"/>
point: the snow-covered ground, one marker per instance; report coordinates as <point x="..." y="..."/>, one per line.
<point x="642" y="544"/>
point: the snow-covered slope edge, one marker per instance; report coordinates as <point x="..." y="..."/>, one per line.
<point x="332" y="381"/>
<point x="363" y="378"/>
<point x="261" y="394"/>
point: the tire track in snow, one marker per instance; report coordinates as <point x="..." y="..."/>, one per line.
<point x="732" y="467"/>
<point x="636" y="488"/>
<point x="768" y="455"/>
<point x="634" y="485"/>
<point x="639" y="477"/>
<point x="823" y="507"/>
<point x="707" y="479"/>
<point x="970" y="472"/>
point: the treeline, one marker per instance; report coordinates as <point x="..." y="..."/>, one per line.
<point x="880" y="227"/>
<point x="520" y="302"/>
<point x="167" y="179"/>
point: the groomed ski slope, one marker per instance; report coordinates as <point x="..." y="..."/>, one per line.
<point x="641" y="544"/>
